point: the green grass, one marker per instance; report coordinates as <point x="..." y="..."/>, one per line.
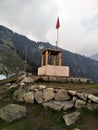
<point x="40" y="118"/>
<point x="12" y="79"/>
<point x="80" y="87"/>
<point x="88" y="119"/>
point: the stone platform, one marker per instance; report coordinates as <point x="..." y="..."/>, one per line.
<point x="52" y="70"/>
<point x="64" y="79"/>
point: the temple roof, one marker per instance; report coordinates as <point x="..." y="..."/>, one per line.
<point x="52" y="51"/>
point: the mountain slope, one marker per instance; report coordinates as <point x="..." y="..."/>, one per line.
<point x="8" y="55"/>
<point x="80" y="66"/>
<point x="95" y="56"/>
<point x="10" y="59"/>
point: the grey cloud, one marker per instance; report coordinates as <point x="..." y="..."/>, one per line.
<point x="29" y="15"/>
<point x="37" y="19"/>
<point x="91" y="24"/>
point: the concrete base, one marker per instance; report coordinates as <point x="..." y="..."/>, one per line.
<point x="51" y="70"/>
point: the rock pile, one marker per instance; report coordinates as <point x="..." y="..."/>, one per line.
<point x="56" y="99"/>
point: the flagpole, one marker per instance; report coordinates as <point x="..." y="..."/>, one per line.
<point x="57" y="38"/>
<point x="57" y="27"/>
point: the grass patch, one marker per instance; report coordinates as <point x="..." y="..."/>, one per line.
<point x="90" y="112"/>
<point x="88" y="120"/>
<point x="40" y="118"/>
<point x="89" y="88"/>
<point x="9" y="80"/>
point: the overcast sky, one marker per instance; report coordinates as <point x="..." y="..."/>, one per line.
<point x="36" y="19"/>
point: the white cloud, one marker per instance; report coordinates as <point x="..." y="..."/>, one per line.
<point x="37" y="18"/>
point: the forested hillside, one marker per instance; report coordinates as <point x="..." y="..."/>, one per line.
<point x="80" y="66"/>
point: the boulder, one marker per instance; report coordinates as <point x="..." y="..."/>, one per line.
<point x="75" y="80"/>
<point x="48" y="94"/>
<point x="93" y="98"/>
<point x="86" y="80"/>
<point x="23" y="85"/>
<point x="41" y="87"/>
<point x="90" y="81"/>
<point x="32" y="88"/>
<point x="28" y="80"/>
<point x="36" y="87"/>
<point x="29" y="97"/>
<point x="68" y="105"/>
<point x="12" y="112"/>
<point x="18" y="94"/>
<point x="92" y="106"/>
<point x="56" y="105"/>
<point x="21" y="77"/>
<point x="74" y="99"/>
<point x="71" y="118"/>
<point x="39" y="96"/>
<point x="80" y="104"/>
<point x="83" y="80"/>
<point x="73" y="93"/>
<point x="82" y="96"/>
<point x="62" y="95"/>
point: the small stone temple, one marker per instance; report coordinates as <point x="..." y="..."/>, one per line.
<point x="51" y="64"/>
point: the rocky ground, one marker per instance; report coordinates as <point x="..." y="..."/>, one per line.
<point x="40" y="118"/>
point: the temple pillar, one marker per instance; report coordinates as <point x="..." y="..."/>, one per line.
<point x="60" y="59"/>
<point x="54" y="60"/>
<point x="42" y="59"/>
<point x="46" y="57"/>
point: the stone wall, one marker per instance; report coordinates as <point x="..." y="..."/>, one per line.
<point x="64" y="79"/>
<point x="54" y="98"/>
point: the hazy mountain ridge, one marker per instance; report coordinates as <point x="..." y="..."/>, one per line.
<point x="95" y="56"/>
<point x="80" y="66"/>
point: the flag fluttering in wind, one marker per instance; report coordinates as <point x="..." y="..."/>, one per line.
<point x="58" y="23"/>
<point x="57" y="27"/>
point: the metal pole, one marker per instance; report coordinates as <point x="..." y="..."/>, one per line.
<point x="57" y="39"/>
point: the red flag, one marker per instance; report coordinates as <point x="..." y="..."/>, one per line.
<point x="58" y="23"/>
